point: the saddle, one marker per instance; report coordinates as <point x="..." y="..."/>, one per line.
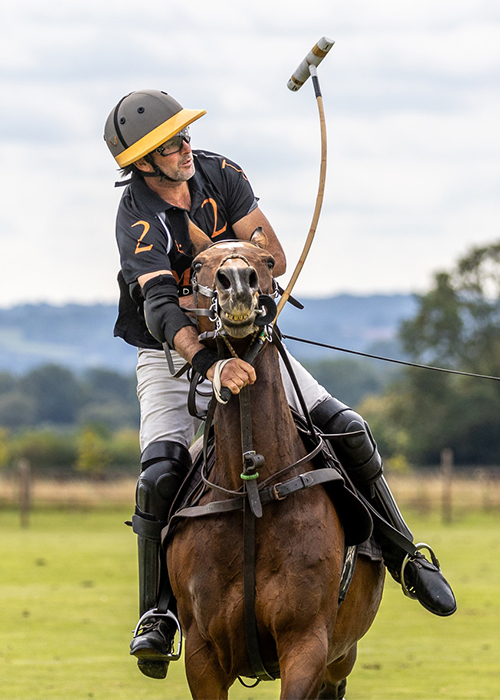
<point x="355" y="517"/>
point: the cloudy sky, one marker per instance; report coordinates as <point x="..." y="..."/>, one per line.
<point x="412" y="100"/>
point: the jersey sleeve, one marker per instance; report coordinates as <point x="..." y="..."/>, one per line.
<point x="143" y="241"/>
<point x="240" y="198"/>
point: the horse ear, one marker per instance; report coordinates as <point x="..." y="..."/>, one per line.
<point x="199" y="239"/>
<point x="259" y="238"/>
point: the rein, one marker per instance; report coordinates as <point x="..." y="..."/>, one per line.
<point x="394" y="361"/>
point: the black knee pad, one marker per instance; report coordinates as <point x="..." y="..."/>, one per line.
<point x="359" y="453"/>
<point x="164" y="466"/>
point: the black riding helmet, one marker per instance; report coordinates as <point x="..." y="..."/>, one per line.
<point x="142" y="121"/>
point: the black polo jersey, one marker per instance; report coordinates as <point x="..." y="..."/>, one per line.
<point x="153" y="234"/>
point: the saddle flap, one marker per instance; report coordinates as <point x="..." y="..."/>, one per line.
<point x="354" y="515"/>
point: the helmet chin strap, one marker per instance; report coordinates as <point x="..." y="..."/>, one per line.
<point x="156" y="170"/>
<point x="158" y="173"/>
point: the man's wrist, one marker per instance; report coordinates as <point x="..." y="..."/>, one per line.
<point x="203" y="360"/>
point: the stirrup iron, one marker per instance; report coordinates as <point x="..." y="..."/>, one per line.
<point x="411" y="557"/>
<point x="154" y="613"/>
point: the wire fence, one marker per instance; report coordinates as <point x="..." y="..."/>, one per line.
<point x="449" y="490"/>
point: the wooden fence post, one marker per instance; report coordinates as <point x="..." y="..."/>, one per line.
<point x="446" y="485"/>
<point x="24" y="492"/>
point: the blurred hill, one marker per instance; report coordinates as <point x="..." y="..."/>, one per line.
<point x="363" y="323"/>
<point x="80" y="336"/>
<point x="76" y="336"/>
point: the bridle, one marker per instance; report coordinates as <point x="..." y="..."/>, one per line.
<point x="266" y="311"/>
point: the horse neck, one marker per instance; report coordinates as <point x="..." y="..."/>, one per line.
<point x="273" y="429"/>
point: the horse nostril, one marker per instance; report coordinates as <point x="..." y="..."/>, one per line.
<point x="253" y="280"/>
<point x="223" y="280"/>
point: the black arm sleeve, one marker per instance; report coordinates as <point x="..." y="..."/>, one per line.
<point x="164" y="317"/>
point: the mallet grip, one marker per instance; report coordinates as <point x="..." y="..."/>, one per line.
<point x="314" y="57"/>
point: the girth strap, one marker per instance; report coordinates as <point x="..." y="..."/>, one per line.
<point x="251" y="631"/>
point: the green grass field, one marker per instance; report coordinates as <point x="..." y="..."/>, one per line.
<point x="69" y="603"/>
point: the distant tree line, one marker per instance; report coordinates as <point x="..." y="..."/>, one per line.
<point x="88" y="424"/>
<point x="51" y="395"/>
<point x="63" y="422"/>
<point x="457" y="326"/>
<point x="87" y="451"/>
<point x="91" y="420"/>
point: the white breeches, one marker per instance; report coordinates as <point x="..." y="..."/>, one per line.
<point x="163" y="399"/>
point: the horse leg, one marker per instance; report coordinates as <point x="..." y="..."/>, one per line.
<point x="302" y="668"/>
<point x="336" y="676"/>
<point x="205" y="676"/>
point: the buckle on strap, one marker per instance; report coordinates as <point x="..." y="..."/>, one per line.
<point x="275" y="493"/>
<point x="297" y="483"/>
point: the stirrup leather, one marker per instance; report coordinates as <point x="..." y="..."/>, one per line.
<point x="154" y="613"/>
<point x="411" y="557"/>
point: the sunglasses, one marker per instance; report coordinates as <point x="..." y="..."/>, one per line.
<point x="175" y="144"/>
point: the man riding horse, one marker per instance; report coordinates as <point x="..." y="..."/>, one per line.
<point x="170" y="188"/>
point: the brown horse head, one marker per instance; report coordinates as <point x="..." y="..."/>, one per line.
<point x="236" y="273"/>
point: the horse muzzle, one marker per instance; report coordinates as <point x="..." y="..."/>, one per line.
<point x="238" y="292"/>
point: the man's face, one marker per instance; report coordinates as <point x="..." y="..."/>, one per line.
<point x="177" y="166"/>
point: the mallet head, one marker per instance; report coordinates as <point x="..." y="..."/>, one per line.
<point x="314" y="57"/>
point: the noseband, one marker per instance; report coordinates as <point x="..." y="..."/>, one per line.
<point x="267" y="307"/>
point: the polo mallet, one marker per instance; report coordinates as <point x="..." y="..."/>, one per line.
<point x="305" y="69"/>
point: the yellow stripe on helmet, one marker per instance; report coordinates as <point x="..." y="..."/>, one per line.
<point x="155" y="138"/>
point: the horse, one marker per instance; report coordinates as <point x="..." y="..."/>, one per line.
<point x="299" y="540"/>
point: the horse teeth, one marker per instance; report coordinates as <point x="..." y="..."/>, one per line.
<point x="235" y="317"/>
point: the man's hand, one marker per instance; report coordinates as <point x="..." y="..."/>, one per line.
<point x="235" y="374"/>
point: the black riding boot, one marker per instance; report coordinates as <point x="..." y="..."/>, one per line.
<point x="420" y="578"/>
<point x="164" y="466"/>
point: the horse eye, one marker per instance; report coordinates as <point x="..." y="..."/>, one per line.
<point x="197" y="266"/>
<point x="270" y="264"/>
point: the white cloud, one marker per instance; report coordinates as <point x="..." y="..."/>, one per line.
<point x="411" y="98"/>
